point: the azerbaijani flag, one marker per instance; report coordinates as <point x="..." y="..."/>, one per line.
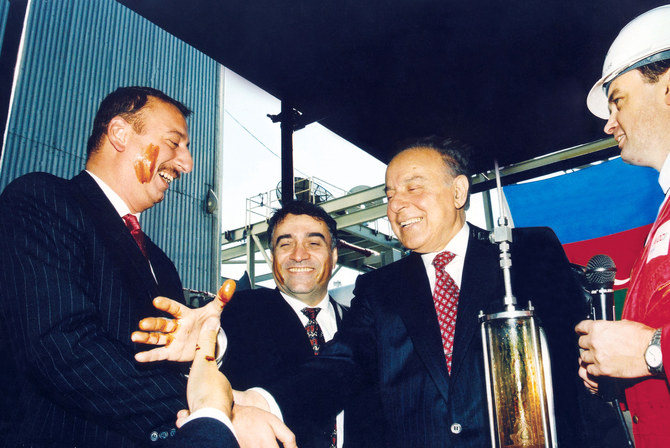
<point x="603" y="209"/>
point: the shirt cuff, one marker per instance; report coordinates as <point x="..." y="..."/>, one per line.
<point x="212" y="413"/>
<point x="221" y="346"/>
<point x="274" y="407"/>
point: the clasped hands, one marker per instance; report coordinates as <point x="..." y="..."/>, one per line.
<point x="191" y="332"/>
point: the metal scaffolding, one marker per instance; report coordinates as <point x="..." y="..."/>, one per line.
<point x="368" y="242"/>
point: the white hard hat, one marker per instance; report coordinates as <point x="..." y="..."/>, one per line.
<point x="644" y="40"/>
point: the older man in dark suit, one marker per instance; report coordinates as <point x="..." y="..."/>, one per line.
<point x="77" y="273"/>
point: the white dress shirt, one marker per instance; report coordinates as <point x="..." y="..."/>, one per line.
<point x="458" y="245"/>
<point x="325" y="318"/>
<point x="119" y="205"/>
<point x="664" y="176"/>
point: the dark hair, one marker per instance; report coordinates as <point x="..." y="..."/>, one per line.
<point x="454" y="153"/>
<point x="303" y="208"/>
<point x="126" y="102"/>
<point x="652" y="72"/>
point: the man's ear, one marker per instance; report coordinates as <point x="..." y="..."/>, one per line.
<point x="334" y="257"/>
<point x="118" y="133"/>
<point x="665" y="82"/>
<point x="461" y="188"/>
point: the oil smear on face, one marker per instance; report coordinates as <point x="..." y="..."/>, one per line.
<point x="145" y="163"/>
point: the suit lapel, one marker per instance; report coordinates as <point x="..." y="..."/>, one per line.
<point x="415" y="306"/>
<point x="340" y="311"/>
<point x="114" y="233"/>
<point x="288" y="325"/>
<point x="478" y="289"/>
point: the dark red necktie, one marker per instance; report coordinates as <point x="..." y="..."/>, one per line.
<point x="313" y="329"/>
<point x="445" y="299"/>
<point x="136" y="231"/>
<point x="317" y="341"/>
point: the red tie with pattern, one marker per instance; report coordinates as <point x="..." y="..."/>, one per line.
<point x="134" y="226"/>
<point x="317" y="341"/>
<point x="445" y="299"/>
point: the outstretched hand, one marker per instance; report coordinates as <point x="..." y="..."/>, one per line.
<point x="178" y="336"/>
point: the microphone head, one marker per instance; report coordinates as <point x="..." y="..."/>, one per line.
<point x="600" y="271"/>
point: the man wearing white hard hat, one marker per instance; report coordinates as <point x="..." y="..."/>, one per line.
<point x="634" y="96"/>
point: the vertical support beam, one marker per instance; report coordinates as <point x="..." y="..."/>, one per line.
<point x="9" y="56"/>
<point x="215" y="257"/>
<point x="287" y="127"/>
<point x="251" y="261"/>
<point x="488" y="209"/>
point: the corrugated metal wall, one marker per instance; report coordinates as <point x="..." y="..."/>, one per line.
<point x="4" y="9"/>
<point x="77" y="51"/>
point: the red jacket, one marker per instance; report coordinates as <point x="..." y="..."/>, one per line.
<point x="648" y="302"/>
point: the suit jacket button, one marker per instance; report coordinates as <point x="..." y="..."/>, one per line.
<point x="456" y="428"/>
<point x="154" y="436"/>
<point x="164" y="435"/>
<point x="636" y="419"/>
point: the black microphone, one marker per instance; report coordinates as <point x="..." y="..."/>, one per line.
<point x="600" y="272"/>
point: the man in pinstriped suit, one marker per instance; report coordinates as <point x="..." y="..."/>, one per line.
<point x="75" y="283"/>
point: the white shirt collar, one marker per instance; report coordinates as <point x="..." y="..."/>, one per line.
<point x="664" y="175"/>
<point x="119" y="204"/>
<point x="458" y="245"/>
<point x="298" y="305"/>
<point x="326" y="317"/>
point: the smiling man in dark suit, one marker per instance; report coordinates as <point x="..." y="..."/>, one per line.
<point x="75" y="282"/>
<point x="269" y="330"/>
<point x="266" y="328"/>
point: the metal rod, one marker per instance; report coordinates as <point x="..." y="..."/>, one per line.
<point x="502" y="235"/>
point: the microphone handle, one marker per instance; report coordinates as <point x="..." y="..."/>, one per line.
<point x="603" y="304"/>
<point x="603" y="309"/>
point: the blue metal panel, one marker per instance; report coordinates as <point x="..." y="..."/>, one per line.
<point x="77" y="51"/>
<point x="4" y="9"/>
